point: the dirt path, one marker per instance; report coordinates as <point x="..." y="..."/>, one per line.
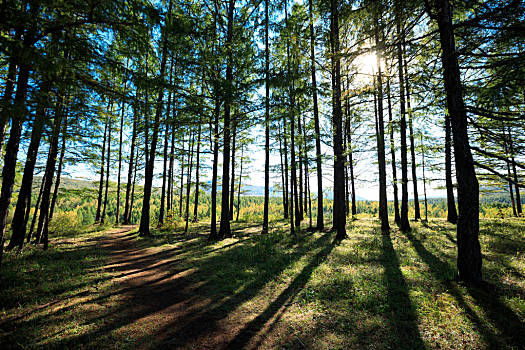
<point x="154" y="300"/>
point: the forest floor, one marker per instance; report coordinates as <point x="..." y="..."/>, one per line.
<point x="112" y="290"/>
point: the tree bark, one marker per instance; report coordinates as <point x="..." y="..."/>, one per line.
<point x="131" y="165"/>
<point x="383" y="200"/>
<point x="108" y="161"/>
<point x="417" y="211"/>
<point x="469" y="252"/>
<point x="397" y="218"/>
<point x="452" y="215"/>
<point x="197" y="180"/>
<point x="213" y="224"/>
<point x="60" y="166"/>
<point x="148" y="179"/>
<point x="19" y="224"/>
<point x="266" y="123"/>
<point x="404" y="223"/>
<point x="224" y="228"/>
<point x="188" y="183"/>
<point x="515" y="173"/>
<point x="318" y="154"/>
<point x="101" y="181"/>
<point x="339" y="219"/>
<point x="232" y="182"/>
<point x="240" y="182"/>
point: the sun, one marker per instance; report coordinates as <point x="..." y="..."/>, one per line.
<point x="365" y="66"/>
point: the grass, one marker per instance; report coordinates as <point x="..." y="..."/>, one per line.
<point x="370" y="291"/>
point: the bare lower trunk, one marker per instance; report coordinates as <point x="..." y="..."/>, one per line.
<point x="452" y="215"/>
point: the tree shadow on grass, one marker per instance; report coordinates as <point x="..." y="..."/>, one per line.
<point x="510" y="329"/>
<point x="243" y="338"/>
<point x="403" y="316"/>
<point x="190" y="297"/>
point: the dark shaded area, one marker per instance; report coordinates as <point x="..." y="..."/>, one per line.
<point x="488" y="296"/>
<point x="403" y="316"/>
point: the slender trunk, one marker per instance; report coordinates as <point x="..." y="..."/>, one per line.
<point x="9" y="170"/>
<point x="232" y="184"/>
<point x="37" y="206"/>
<point x="131" y="165"/>
<point x="397" y="218"/>
<point x="515" y="173"/>
<point x="285" y="195"/>
<point x="452" y="215"/>
<point x="339" y="219"/>
<point x="108" y="161"/>
<point x="132" y="200"/>
<point x="299" y="141"/>
<point x="213" y="224"/>
<point x="417" y="212"/>
<point x="351" y="166"/>
<point x="121" y="131"/>
<point x="224" y="228"/>
<point x="188" y="183"/>
<point x="294" y="210"/>
<point x="181" y="196"/>
<point x="169" y="204"/>
<point x="404" y="224"/>
<point x="266" y="123"/>
<point x="286" y="177"/>
<point x="424" y="178"/>
<point x="19" y="224"/>
<point x="60" y="166"/>
<point x="469" y="251"/>
<point x="7" y="99"/>
<point x="318" y="154"/>
<point x="383" y="200"/>
<point x="148" y="179"/>
<point x="101" y="181"/>
<point x="240" y="182"/>
<point x="42" y="231"/>
<point x="197" y="180"/>
<point x="511" y="191"/>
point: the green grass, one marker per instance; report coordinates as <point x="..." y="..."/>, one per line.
<point x="370" y="291"/>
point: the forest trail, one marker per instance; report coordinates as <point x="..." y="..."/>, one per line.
<point x="152" y="299"/>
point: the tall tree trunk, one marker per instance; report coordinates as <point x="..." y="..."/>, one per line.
<point x="42" y="231"/>
<point x="169" y="204"/>
<point x="351" y="166"/>
<point x="19" y="224"/>
<point x="148" y="179"/>
<point x="101" y="181"/>
<point x="299" y="141"/>
<point x="132" y="200"/>
<point x="339" y="219"/>
<point x="286" y="176"/>
<point x="397" y="218"/>
<point x="121" y="131"/>
<point x="213" y="224"/>
<point x="18" y="113"/>
<point x="511" y="191"/>
<point x="424" y="178"/>
<point x="417" y="211"/>
<point x="131" y="165"/>
<point x="188" y="183"/>
<point x="240" y="183"/>
<point x="285" y="195"/>
<point x="469" y="252"/>
<point x="452" y="215"/>
<point x="60" y="166"/>
<point x="266" y="122"/>
<point x="197" y="180"/>
<point x="318" y="154"/>
<point x="232" y="182"/>
<point x="515" y="173"/>
<point x="37" y="206"/>
<point x="181" y="193"/>
<point x="7" y="98"/>
<point x="383" y="200"/>
<point x="108" y="161"/>
<point x="224" y="228"/>
<point x="404" y="223"/>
